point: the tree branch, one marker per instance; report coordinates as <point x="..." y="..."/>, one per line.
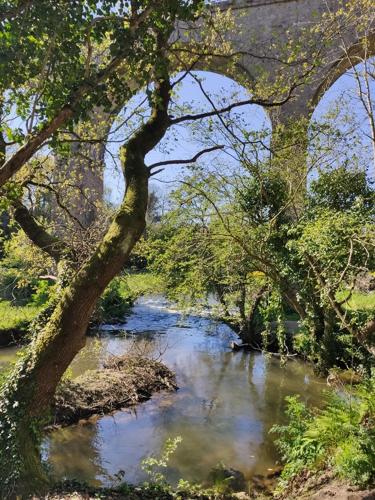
<point x="66" y="112"/>
<point x="186" y="161"/>
<point x="261" y="102"/>
<point x="50" y="244"/>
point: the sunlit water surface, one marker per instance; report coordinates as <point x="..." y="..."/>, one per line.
<point x="224" y="408"/>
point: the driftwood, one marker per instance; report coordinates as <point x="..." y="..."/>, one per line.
<point x="238" y="347"/>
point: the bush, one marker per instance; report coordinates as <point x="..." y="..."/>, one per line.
<point x="121" y="293"/>
<point x="116" y="301"/>
<point x="340" y="435"/>
<point x="43" y="292"/>
<point x="13" y="287"/>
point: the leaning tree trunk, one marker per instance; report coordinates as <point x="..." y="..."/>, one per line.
<point x="27" y="396"/>
<point x="252" y="326"/>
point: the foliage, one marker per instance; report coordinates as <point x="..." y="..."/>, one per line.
<point x="340" y="189"/>
<point x="121" y="293"/>
<point x="42" y="294"/>
<point x="147" y="491"/>
<point x="53" y="49"/>
<point x="152" y="465"/>
<point x="20" y="271"/>
<point x="115" y="301"/>
<point x="308" y="261"/>
<point x="144" y="283"/>
<point x="340" y="435"/>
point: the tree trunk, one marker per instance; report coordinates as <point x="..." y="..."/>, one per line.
<point x="251" y="330"/>
<point x="28" y="393"/>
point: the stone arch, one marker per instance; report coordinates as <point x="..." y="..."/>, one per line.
<point x="357" y="53"/>
<point x="266" y="22"/>
<point x="257" y="119"/>
<point x="340" y="107"/>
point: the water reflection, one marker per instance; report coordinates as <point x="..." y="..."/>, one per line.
<point x="224" y="408"/>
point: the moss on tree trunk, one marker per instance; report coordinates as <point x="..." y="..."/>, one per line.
<point x="28" y="393"/>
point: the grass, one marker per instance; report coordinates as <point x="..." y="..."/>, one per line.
<point x="359" y="301"/>
<point x="135" y="285"/>
<point x="16" y="318"/>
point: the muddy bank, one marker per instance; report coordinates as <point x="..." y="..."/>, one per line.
<point x="324" y="486"/>
<point x="123" y="381"/>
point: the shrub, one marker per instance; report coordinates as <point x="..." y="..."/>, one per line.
<point x="42" y="294"/>
<point x="340" y="435"/>
<point x="115" y="301"/>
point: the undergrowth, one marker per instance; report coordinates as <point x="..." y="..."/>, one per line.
<point x="341" y="436"/>
<point x="122" y="292"/>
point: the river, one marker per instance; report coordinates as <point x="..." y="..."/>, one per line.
<point x="226" y="403"/>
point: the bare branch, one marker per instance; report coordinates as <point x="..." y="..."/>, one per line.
<point x="186" y="161"/>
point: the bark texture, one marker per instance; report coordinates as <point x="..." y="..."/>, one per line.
<point x="27" y="396"/>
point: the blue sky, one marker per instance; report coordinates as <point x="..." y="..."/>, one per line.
<point x="179" y="143"/>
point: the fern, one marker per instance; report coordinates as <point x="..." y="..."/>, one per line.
<point x="340" y="435"/>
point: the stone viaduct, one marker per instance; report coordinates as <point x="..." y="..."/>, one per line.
<point x="261" y="27"/>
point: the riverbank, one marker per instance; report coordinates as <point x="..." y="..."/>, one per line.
<point x="126" y="491"/>
<point x="14" y="322"/>
<point x="124" y="381"/>
<point x="323" y="486"/>
<point x="117" y="301"/>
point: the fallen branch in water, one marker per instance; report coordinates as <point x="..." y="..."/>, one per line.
<point x="237" y="347"/>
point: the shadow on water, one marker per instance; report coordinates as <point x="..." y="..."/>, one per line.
<point x="224" y="408"/>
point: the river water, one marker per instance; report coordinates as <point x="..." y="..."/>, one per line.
<point x="226" y="403"/>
